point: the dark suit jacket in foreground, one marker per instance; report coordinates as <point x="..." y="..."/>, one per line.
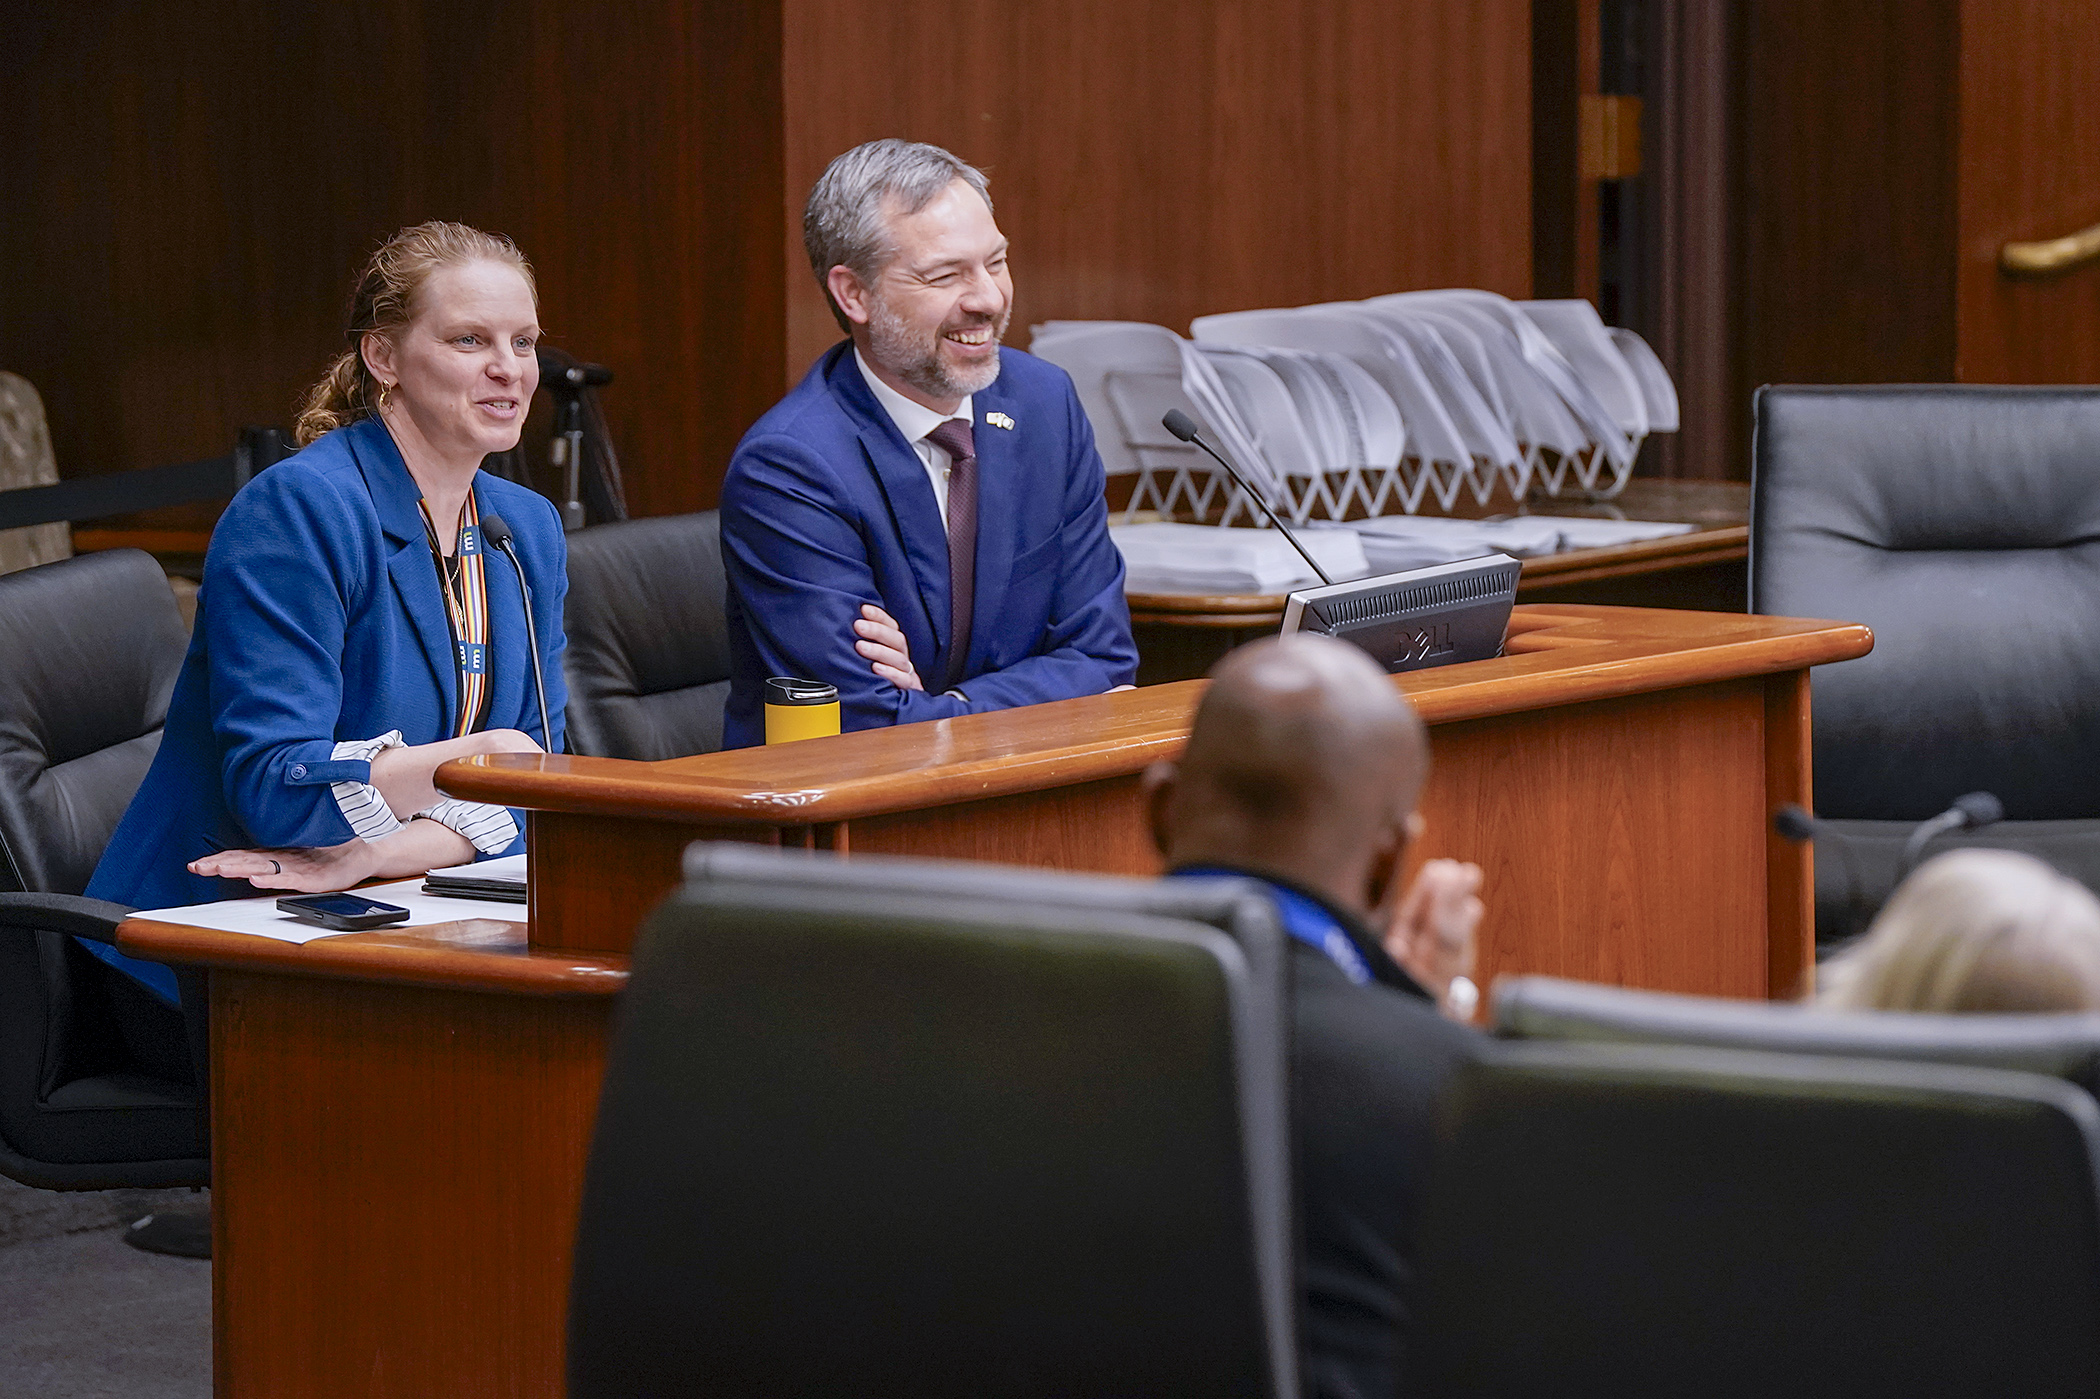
<point x="1368" y="1063"/>
<point x="826" y="507"/>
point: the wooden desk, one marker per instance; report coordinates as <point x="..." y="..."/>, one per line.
<point x="1181" y="636"/>
<point x="400" y="1119"/>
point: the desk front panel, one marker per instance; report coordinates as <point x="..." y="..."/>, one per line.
<point x="1623" y="840"/>
<point x="397" y="1173"/>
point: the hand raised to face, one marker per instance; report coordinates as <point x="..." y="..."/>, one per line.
<point x="1434" y="929"/>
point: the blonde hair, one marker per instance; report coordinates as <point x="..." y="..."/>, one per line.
<point x="1975" y="930"/>
<point x="384" y="301"/>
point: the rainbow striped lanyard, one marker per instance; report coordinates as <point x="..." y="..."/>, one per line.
<point x="466" y="610"/>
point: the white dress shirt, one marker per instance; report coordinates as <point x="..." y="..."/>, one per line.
<point x="915" y="420"/>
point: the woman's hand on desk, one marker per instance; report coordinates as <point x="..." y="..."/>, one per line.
<point x="405" y="776"/>
<point x="417" y="847"/>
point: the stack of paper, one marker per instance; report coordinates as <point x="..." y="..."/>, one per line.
<point x="1174" y="558"/>
<point x="502" y="880"/>
<point x="1607" y="534"/>
<point x="1395" y="542"/>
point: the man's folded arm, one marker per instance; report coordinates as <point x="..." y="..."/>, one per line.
<point x="800" y="571"/>
<point x="1089" y="663"/>
<point x="1087" y="648"/>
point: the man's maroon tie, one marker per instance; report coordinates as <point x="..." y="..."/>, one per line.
<point x="953" y="437"/>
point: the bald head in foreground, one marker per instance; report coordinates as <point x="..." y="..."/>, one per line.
<point x="1302" y="770"/>
<point x="1304" y="765"/>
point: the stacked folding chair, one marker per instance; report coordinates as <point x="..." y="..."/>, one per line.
<point x="1363" y="409"/>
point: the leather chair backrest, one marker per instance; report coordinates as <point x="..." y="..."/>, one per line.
<point x="1548" y="1008"/>
<point x="1607" y="1219"/>
<point x="1961" y="523"/>
<point x="1240" y="908"/>
<point x="648" y="654"/>
<point x="887" y="1144"/>
<point x="89" y="651"/>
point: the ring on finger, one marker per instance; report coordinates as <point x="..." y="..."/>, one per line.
<point x="276" y="868"/>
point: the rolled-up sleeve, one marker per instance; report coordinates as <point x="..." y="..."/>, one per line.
<point x="491" y="828"/>
<point x="355" y="796"/>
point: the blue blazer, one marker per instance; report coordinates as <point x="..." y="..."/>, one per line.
<point x="320" y="621"/>
<point x="827" y="507"/>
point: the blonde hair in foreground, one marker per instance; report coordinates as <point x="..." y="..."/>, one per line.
<point x="384" y="300"/>
<point x="1975" y="930"/>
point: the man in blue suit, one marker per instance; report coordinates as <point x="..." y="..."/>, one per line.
<point x="921" y="522"/>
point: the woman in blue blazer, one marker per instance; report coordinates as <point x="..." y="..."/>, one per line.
<point x="352" y="634"/>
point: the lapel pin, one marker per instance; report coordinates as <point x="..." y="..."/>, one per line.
<point x="1000" y="420"/>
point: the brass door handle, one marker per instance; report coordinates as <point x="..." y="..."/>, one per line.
<point x="2051" y="256"/>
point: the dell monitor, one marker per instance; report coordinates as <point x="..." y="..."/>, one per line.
<point x="1416" y="619"/>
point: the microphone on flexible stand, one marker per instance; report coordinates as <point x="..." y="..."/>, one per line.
<point x="1179" y="423"/>
<point x="496" y="531"/>
<point x="1794" y="823"/>
<point x="1968" y="813"/>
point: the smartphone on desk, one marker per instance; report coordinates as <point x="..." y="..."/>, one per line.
<point x="344" y="912"/>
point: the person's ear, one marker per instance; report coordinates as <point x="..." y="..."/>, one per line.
<point x="1390" y="858"/>
<point x="378" y="352"/>
<point x="1157" y="788"/>
<point x="849" y="292"/>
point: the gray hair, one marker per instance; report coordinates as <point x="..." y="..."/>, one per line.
<point x="843" y="223"/>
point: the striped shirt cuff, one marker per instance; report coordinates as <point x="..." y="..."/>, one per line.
<point x="490" y="827"/>
<point x="360" y="802"/>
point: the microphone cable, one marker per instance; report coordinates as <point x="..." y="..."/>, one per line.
<point x="496" y="531"/>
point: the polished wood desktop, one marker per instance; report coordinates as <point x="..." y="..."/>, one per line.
<point x="400" y="1118"/>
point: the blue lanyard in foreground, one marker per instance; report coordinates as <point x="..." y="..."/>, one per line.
<point x="1304" y="919"/>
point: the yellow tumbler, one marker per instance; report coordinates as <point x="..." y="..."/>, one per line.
<point x="800" y="709"/>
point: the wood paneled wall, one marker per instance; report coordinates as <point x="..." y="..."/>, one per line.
<point x="190" y="193"/>
<point x="1157" y="160"/>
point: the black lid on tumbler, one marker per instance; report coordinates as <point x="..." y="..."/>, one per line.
<point x="785" y="689"/>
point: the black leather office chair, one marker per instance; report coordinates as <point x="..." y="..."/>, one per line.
<point x="91" y="646"/>
<point x="1963" y="525"/>
<point x="914" y="1137"/>
<point x="1549" y="1008"/>
<point x="1635" y="1220"/>
<point x="648" y="657"/>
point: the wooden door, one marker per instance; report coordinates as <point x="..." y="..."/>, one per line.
<point x="2029" y="162"/>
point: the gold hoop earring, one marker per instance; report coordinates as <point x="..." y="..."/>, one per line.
<point x="384" y="390"/>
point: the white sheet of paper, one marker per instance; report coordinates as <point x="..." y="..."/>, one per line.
<point x="260" y="918"/>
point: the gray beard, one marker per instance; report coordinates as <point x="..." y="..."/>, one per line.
<point x="916" y="359"/>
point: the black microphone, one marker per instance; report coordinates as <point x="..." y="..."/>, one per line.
<point x="1178" y="423"/>
<point x="578" y="375"/>
<point x="496" y="530"/>
<point x="1794" y="823"/>
<point x="1970" y="812"/>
